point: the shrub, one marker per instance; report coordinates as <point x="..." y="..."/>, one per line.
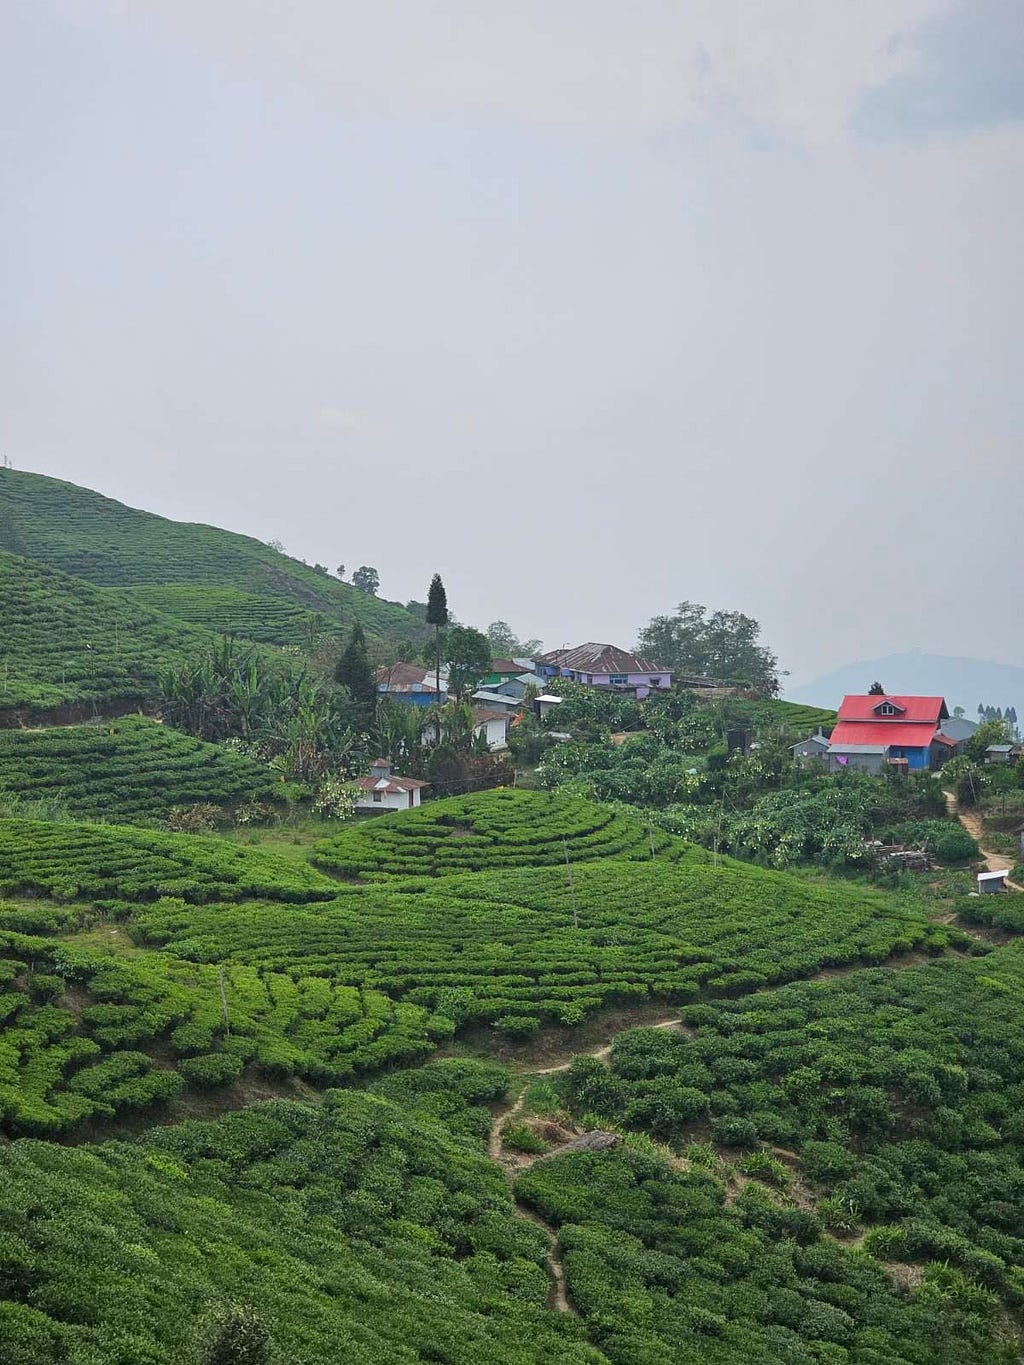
<point x="209" y="1071"/>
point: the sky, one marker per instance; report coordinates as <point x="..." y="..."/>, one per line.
<point x="591" y="306"/>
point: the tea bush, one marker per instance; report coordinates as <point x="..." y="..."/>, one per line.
<point x="71" y="861"/>
<point x="127" y="770"/>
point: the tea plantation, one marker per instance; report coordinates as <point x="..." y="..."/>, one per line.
<point x="262" y="617"/>
<point x="900" y="1093"/>
<point x="131" y="769"/>
<point x="843" y="1175"/>
<point x="111" y="545"/>
<point x="64" y="642"/>
<point x="486" y="830"/>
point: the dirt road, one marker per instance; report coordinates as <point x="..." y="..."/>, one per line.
<point x="971" y="821"/>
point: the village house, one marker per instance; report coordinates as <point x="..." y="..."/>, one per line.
<point x="493" y="725"/>
<point x="499" y="671"/>
<point x="600" y="665"/>
<point x="384" y="790"/>
<point x="412" y="684"/>
<point x="874" y="732"/>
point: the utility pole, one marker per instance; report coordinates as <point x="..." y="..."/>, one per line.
<point x="572" y="887"/>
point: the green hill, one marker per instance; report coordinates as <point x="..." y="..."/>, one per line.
<point x="111" y="545"/>
<point x="65" y="643"/>
<point x="134" y="769"/>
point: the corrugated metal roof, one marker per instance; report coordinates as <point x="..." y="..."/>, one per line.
<point x="920" y="709"/>
<point x="599" y="658"/>
<point x="902" y="734"/>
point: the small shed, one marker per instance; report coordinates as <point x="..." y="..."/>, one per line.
<point x="999" y="753"/>
<point x="990" y="883"/>
<point x="544" y="703"/>
<point x="814" y="746"/>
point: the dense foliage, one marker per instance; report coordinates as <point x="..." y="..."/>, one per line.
<point x="900" y="1092"/>
<point x="724" y="645"/>
<point x="127" y="770"/>
<point x="372" y="1229"/>
<point x="106" y="543"/>
<point x="665" y="1272"/>
<point x="76" y="860"/>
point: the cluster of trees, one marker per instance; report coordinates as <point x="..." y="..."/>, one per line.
<point x="989" y="713"/>
<point x="723" y="645"/>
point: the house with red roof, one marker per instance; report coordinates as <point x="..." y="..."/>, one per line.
<point x="873" y="732"/>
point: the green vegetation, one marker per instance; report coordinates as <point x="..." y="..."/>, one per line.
<point x="68" y="861"/>
<point x="372" y="1229"/>
<point x="126" y="770"/>
<point x="900" y="1092"/>
<point x="66" y="643"/>
<point x="82" y="1026"/>
<point x="108" y="544"/>
<point x="262" y="617"/>
<point x="502" y="828"/>
<point x="486" y="947"/>
<point x="664" y="1272"/>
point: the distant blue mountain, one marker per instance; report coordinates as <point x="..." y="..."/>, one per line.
<point x="963" y="682"/>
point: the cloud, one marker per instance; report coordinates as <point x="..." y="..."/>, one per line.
<point x="796" y="67"/>
<point x="964" y="70"/>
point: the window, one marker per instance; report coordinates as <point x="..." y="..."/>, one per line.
<point x="886" y="709"/>
<point x="378" y="796"/>
<point x="655" y="682"/>
<point x="619" y="679"/>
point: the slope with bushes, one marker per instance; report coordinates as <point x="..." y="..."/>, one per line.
<point x="127" y="770"/>
<point x="106" y="543"/>
<point x="67" y="644"/>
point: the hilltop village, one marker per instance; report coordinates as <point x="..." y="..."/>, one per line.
<point x="375" y="983"/>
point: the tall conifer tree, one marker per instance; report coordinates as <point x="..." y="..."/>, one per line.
<point x="437" y="616"/>
<point x="354" y="673"/>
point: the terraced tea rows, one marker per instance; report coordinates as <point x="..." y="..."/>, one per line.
<point x="900" y="1092"/>
<point x="262" y="617"/>
<point x="111" y="545"/>
<point x="80" y="1027"/>
<point x="489" y="829"/>
<point x="64" y="642"/>
<point x="69" y="861"/>
<point x="513" y="949"/>
<point x="130" y="769"/>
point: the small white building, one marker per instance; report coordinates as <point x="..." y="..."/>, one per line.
<point x="384" y="790"/>
<point x="493" y="725"/>
<point x="543" y="704"/>
<point x="990" y="883"/>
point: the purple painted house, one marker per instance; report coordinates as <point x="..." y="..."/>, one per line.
<point x="598" y="665"/>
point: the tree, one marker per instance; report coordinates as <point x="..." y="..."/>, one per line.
<point x="437" y="616"/>
<point x="506" y="645"/>
<point x="366" y="579"/>
<point x="340" y="571"/>
<point x="876" y="690"/>
<point x="723" y="646"/>
<point x="355" y="673"/>
<point x="467" y="652"/>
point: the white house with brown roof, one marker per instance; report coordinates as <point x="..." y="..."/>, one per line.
<point x="385" y="790"/>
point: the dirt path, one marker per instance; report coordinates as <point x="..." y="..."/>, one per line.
<point x="995" y="862"/>
<point x="512" y="1164"/>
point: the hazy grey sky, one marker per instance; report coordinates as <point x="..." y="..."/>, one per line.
<point x="590" y="305"/>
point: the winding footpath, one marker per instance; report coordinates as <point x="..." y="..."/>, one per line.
<point x="513" y="1164"/>
<point x="995" y="862"/>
